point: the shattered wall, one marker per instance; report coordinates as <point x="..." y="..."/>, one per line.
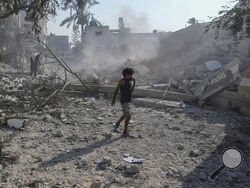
<point x="182" y="51"/>
<point x="107" y="49"/>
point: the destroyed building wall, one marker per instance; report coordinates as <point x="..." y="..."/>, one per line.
<point x="28" y="39"/>
<point x="102" y="39"/>
<point x="244" y="87"/>
<point x="182" y="51"/>
<point x="113" y="47"/>
<point x="59" y="43"/>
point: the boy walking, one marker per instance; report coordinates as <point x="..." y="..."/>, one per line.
<point x="126" y="88"/>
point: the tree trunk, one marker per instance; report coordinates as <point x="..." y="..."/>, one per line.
<point x="82" y="33"/>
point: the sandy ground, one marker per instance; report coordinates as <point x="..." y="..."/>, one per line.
<point x="62" y="147"/>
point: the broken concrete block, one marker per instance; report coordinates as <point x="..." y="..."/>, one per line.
<point x="200" y="68"/>
<point x="224" y="48"/>
<point x="160" y="86"/>
<point x="132" y="169"/>
<point x="223" y="78"/>
<point x="15" y="123"/>
<point x="96" y="185"/>
<point x="213" y="65"/>
<point x="156" y="103"/>
<point x="244" y="87"/>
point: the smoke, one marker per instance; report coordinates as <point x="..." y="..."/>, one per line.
<point x="137" y="21"/>
<point x="106" y="51"/>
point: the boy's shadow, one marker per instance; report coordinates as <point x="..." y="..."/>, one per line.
<point x="78" y="152"/>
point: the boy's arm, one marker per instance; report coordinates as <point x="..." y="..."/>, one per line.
<point x="116" y="91"/>
<point x="133" y="87"/>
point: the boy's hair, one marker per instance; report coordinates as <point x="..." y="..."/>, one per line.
<point x="128" y="71"/>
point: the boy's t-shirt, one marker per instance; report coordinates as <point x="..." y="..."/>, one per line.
<point x="125" y="91"/>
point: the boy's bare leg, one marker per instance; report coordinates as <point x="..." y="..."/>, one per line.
<point x="120" y="120"/>
<point x="126" y="126"/>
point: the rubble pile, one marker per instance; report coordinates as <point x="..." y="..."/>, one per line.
<point x="70" y="146"/>
<point x="21" y="93"/>
<point x="190" y="56"/>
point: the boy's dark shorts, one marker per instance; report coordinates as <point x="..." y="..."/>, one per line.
<point x="125" y="109"/>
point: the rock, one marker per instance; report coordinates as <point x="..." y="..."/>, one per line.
<point x="213" y="65"/>
<point x="82" y="164"/>
<point x="59" y="133"/>
<point x="132" y="169"/>
<point x="106" y="160"/>
<point x="203" y="176"/>
<point x="15" y="123"/>
<point x="188" y="131"/>
<point x="1" y="168"/>
<point x="103" y="166"/>
<point x="39" y="185"/>
<point x="95" y="185"/>
<point x="174" y="170"/>
<point x="194" y="153"/>
<point x="166" y="185"/>
<point x="180" y="147"/>
<point x="99" y="118"/>
<point x="120" y="167"/>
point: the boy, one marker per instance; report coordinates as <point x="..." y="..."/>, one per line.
<point x="126" y="90"/>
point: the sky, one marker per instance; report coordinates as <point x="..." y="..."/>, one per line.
<point x="145" y="15"/>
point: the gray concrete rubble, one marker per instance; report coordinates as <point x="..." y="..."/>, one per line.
<point x="156" y="103"/>
<point x="15" y="123"/>
<point x="217" y="82"/>
<point x="69" y="144"/>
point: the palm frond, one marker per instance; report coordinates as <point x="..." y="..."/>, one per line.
<point x="68" y="20"/>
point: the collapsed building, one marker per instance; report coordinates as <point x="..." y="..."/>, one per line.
<point x="59" y="43"/>
<point x="120" y="42"/>
<point x="19" y="41"/>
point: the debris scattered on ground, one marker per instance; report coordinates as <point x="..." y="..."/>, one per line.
<point x="133" y="160"/>
<point x="217" y="82"/>
<point x="15" y="123"/>
<point x="132" y="169"/>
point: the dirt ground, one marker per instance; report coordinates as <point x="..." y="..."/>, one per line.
<point x="181" y="147"/>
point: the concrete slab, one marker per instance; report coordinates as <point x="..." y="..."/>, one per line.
<point x="232" y="101"/>
<point x="217" y="82"/>
<point x="156" y="103"/>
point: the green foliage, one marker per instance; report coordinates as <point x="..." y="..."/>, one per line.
<point x="235" y="18"/>
<point x="81" y="14"/>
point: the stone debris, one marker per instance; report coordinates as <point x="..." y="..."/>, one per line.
<point x="203" y="176"/>
<point x="59" y="133"/>
<point x="217" y="82"/>
<point x="194" y="153"/>
<point x="213" y="65"/>
<point x="132" y="169"/>
<point x="156" y="103"/>
<point x="96" y="185"/>
<point x="1" y="168"/>
<point x="15" y="123"/>
<point x="166" y="148"/>
<point x="106" y="161"/>
<point x="133" y="160"/>
<point x="82" y="164"/>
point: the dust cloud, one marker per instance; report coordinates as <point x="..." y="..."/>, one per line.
<point x="109" y="51"/>
<point x="137" y="21"/>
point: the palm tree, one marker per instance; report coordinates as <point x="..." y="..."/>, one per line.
<point x="81" y="14"/>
